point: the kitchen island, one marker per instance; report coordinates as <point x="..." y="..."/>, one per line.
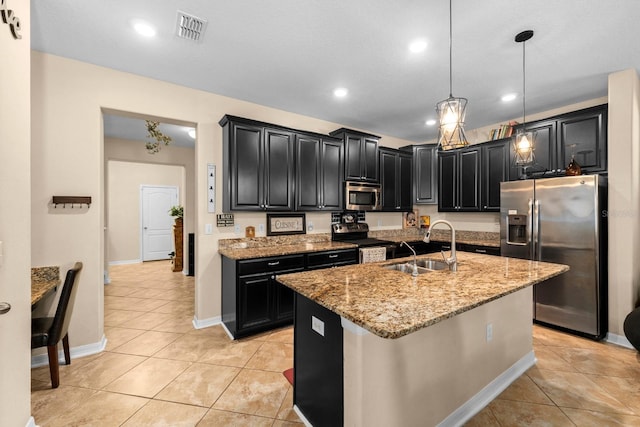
<point x="414" y="351"/>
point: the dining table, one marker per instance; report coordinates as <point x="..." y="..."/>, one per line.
<point x="44" y="282"/>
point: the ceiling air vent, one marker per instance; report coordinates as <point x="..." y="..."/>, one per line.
<point x="190" y="27"/>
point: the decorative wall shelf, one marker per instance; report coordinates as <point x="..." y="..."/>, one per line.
<point x="71" y="200"/>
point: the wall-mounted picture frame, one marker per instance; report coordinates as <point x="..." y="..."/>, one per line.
<point x="410" y="219"/>
<point x="285" y="223"/>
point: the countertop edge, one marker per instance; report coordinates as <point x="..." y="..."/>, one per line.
<point x="398" y="333"/>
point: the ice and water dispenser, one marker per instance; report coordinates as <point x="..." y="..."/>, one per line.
<point x="516" y="229"/>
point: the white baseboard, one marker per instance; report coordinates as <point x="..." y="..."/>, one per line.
<point x="205" y="323"/>
<point x="619" y="340"/>
<point x="31" y="422"/>
<point x="126" y="261"/>
<point x="304" y="419"/>
<point x="229" y="334"/>
<point x="474" y="405"/>
<point x="81" y="351"/>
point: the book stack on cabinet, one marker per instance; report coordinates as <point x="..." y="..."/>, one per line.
<point x="504" y="131"/>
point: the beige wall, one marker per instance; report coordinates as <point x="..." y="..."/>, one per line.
<point x="69" y="158"/>
<point x="125" y="180"/>
<point x="624" y="196"/>
<point x="15" y="225"/>
<point x="421" y="378"/>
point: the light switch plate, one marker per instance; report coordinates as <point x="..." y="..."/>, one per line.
<point x="208" y="229"/>
<point x="317" y="325"/>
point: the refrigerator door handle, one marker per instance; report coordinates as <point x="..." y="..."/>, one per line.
<point x="530" y="230"/>
<point x="537" y="254"/>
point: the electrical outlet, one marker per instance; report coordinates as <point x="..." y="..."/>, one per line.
<point x="489" y="331"/>
<point x="317" y="325"/>
<point x="379" y="223"/>
<point x="261" y="228"/>
<point x="236" y="228"/>
<point x="208" y="229"/>
<point x="310" y="226"/>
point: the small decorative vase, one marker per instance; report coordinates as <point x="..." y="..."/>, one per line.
<point x="573" y="168"/>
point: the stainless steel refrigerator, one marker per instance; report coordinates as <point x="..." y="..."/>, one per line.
<point x="561" y="220"/>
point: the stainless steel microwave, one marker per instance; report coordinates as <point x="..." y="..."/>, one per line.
<point x="362" y="196"/>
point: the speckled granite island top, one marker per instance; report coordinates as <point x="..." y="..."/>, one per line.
<point x="392" y="304"/>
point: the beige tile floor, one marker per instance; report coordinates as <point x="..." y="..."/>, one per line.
<point x="158" y="371"/>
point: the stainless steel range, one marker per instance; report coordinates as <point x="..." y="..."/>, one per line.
<point x="357" y="234"/>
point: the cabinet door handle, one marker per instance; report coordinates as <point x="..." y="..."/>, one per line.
<point x="481" y="251"/>
<point x="273" y="277"/>
<point x="333" y="256"/>
<point x="271" y="264"/>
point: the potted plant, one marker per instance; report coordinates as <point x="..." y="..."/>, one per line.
<point x="177" y="212"/>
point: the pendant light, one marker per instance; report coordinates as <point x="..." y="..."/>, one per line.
<point x="451" y="111"/>
<point x="524" y="143"/>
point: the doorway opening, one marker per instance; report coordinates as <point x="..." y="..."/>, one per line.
<point x="131" y="168"/>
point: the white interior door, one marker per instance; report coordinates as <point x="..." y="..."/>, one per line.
<point x="157" y="224"/>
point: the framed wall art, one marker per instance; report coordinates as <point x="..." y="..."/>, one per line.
<point x="282" y="224"/>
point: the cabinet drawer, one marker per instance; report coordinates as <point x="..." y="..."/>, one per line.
<point x="270" y="265"/>
<point x="343" y="256"/>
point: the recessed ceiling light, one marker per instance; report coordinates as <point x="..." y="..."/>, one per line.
<point x="418" y="45"/>
<point x="340" y="92"/>
<point x="430" y="122"/>
<point x="144" y="28"/>
<point x="192" y="133"/>
<point x="509" y="97"/>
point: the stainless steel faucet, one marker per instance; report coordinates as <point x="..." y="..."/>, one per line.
<point x="451" y="261"/>
<point x="415" y="262"/>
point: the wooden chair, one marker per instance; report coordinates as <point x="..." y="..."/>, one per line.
<point x="48" y="331"/>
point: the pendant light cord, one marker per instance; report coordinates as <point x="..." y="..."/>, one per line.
<point x="450" y="50"/>
<point x="524" y="90"/>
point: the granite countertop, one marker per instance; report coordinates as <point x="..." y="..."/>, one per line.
<point x="43" y="280"/>
<point x="392" y="304"/>
<point x="240" y="251"/>
<point x="480" y="238"/>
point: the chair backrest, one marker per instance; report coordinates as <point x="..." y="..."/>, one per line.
<point x="65" y="306"/>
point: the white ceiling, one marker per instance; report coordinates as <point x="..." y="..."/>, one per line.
<point x="291" y="54"/>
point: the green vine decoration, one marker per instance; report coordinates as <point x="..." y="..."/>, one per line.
<point x="153" y="133"/>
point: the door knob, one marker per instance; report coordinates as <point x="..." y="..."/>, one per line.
<point x="4" y="307"/>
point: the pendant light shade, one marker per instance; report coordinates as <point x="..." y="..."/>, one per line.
<point x="451" y="111"/>
<point x="524" y="142"/>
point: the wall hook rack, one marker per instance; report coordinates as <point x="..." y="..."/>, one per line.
<point x="71" y="200"/>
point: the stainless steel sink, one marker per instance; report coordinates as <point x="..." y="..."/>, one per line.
<point x="406" y="268"/>
<point x="432" y="264"/>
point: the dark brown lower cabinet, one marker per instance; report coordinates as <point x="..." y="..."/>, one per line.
<point x="253" y="301"/>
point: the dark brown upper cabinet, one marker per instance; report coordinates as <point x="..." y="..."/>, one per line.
<point x="319" y="173"/>
<point x="396" y="179"/>
<point x="360" y="155"/>
<point x="259" y="166"/>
